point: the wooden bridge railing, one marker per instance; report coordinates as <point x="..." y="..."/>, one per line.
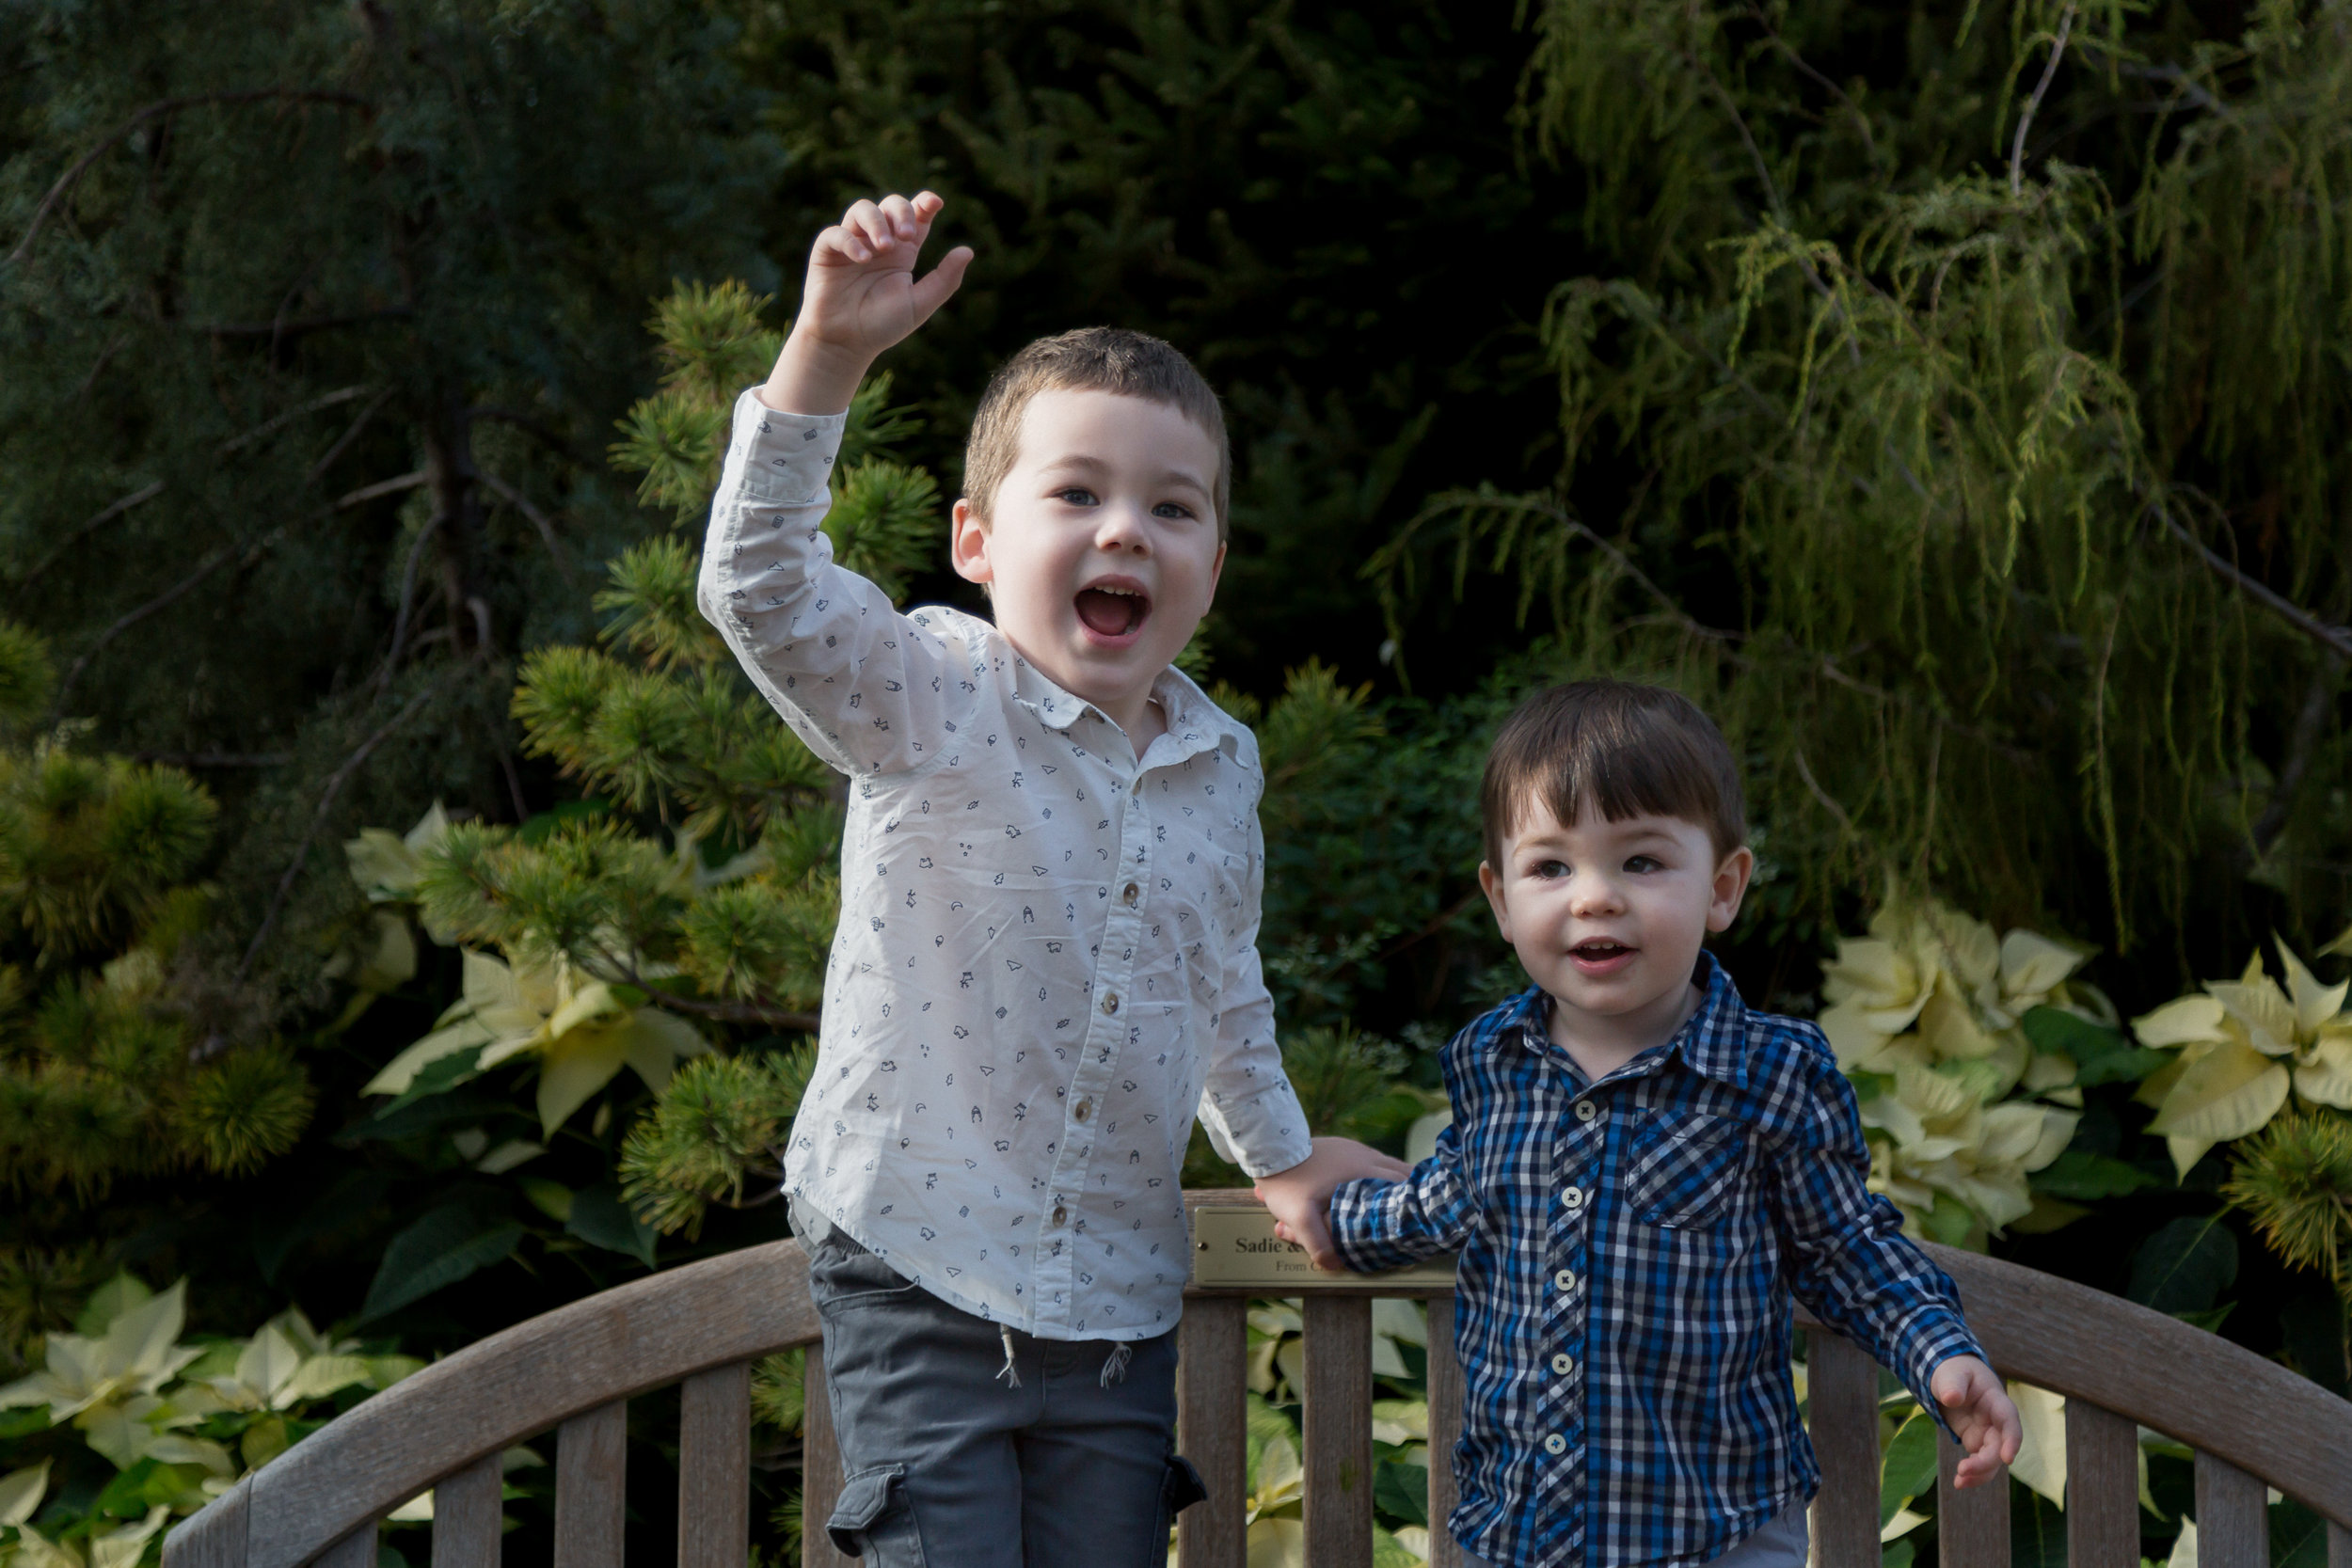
<point x="2251" y="1423"/>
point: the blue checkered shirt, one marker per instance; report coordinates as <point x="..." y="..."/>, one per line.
<point x="1628" y="1252"/>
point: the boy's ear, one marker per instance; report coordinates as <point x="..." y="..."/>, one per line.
<point x="967" y="544"/>
<point x="1731" y="886"/>
<point x="1492" y="884"/>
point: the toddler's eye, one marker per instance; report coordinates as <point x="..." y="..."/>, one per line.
<point x="1642" y="863"/>
<point x="1547" y="870"/>
<point x="1075" y="495"/>
<point x="1172" y="509"/>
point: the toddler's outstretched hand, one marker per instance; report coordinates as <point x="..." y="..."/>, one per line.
<point x="861" y="298"/>
<point x="1300" y="1198"/>
<point x="1981" y="1415"/>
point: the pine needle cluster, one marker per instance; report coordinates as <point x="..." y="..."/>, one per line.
<point x="2294" y="1179"/>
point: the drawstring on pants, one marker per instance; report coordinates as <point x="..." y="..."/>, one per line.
<point x="1009" y="1374"/>
<point x="1115" y="1370"/>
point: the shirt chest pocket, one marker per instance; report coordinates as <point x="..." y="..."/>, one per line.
<point x="1688" y="1172"/>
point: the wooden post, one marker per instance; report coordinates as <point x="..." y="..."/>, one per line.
<point x="2233" y="1524"/>
<point x="1339" y="1432"/>
<point x="356" y="1550"/>
<point x="1212" y="1430"/>
<point x="1842" y="1402"/>
<point x="1445" y="1430"/>
<point x="2102" y="1488"/>
<point x="714" y="1468"/>
<point x="591" y="1487"/>
<point x="1971" y="1526"/>
<point x="467" y="1519"/>
<point x="820" y="1467"/>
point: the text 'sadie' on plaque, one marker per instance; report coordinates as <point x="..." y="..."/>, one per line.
<point x="1235" y="1248"/>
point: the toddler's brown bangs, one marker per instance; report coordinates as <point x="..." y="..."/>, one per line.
<point x="1626" y="750"/>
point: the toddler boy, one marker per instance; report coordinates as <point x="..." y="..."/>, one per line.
<point x="1641" y="1173"/>
<point x="1050" y="881"/>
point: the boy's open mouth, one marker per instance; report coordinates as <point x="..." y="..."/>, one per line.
<point x="1113" y="610"/>
<point x="1600" y="955"/>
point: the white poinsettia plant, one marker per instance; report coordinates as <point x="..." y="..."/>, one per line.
<point x="1926" y="1014"/>
<point x="178" y="1423"/>
<point x="2247" y="1046"/>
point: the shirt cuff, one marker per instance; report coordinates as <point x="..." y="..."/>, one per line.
<point x="1267" y="1132"/>
<point x="792" y="454"/>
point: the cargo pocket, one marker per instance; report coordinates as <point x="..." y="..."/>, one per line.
<point x="1179" y="1488"/>
<point x="874" y="1522"/>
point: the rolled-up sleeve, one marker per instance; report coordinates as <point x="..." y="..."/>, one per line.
<point x="1251" y="1113"/>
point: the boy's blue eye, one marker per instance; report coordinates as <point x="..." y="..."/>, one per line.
<point x="1075" y="496"/>
<point x="1643" y="863"/>
<point x="1172" y="509"/>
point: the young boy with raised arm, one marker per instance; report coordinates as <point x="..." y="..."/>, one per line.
<point x="1046" y="960"/>
<point x="1641" y="1174"/>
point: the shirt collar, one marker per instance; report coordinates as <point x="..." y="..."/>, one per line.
<point x="1712" y="1040"/>
<point x="1194" y="723"/>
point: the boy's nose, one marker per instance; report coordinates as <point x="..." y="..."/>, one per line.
<point x="1121" y="528"/>
<point x="1594" y="895"/>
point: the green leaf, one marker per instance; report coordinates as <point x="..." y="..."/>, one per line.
<point x="440" y="1249"/>
<point x="2082" y="1176"/>
<point x="540" y="828"/>
<point x="2184" y="1265"/>
<point x="1402" y="1490"/>
<point x="2209" y="1320"/>
<point x="2298" y="1537"/>
<point x="437" y="1076"/>
<point x="1949" y="1222"/>
<point x="1909" y="1466"/>
<point x="601" y="1218"/>
<point x="1899" y="1554"/>
<point x="2101" y="1055"/>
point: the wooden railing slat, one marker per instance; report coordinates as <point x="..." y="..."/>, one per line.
<point x="1445" y="1430"/>
<point x="356" y="1550"/>
<point x="1971" y="1526"/>
<point x="592" y="1487"/>
<point x="714" y="1469"/>
<point x="466" y="1516"/>
<point x="1212" y="1430"/>
<point x="2339" y="1546"/>
<point x="217" y="1537"/>
<point x="820" y="1468"/>
<point x="2233" y="1521"/>
<point x="1339" y="1432"/>
<point x="2102" y="1488"/>
<point x="1842" y="1405"/>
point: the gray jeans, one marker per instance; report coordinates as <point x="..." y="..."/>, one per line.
<point x="967" y="1445"/>
<point x="1782" y="1543"/>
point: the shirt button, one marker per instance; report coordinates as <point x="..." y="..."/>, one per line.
<point x="1564" y="1280"/>
<point x="1573" y="1198"/>
<point x="1082" y="1110"/>
<point x="1561" y="1364"/>
<point x="1127" y="894"/>
<point x="1060" y="1213"/>
<point x="1586" y="1110"/>
<point x="1555" y="1444"/>
<point x="1110" y="1003"/>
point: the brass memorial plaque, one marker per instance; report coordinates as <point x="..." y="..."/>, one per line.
<point x="1235" y="1248"/>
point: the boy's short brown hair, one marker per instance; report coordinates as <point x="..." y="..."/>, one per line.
<point x="1090" y="359"/>
<point x="1625" y="749"/>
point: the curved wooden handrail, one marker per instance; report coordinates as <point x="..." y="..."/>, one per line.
<point x="2190" y="1384"/>
<point x="500" y="1391"/>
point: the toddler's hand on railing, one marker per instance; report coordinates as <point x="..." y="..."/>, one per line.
<point x="1981" y="1415"/>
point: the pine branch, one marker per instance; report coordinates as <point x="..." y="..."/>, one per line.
<point x="169" y="596"/>
<point x="521" y="503"/>
<point x="168" y="106"/>
<point x="2025" y="121"/>
<point x="278" y="331"/>
<point x="268" y="427"/>
<point x="114" y="510"/>
<point x="335" y="783"/>
<point x="2336" y="639"/>
<point x="351" y="434"/>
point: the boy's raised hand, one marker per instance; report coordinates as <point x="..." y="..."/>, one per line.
<point x="1983" y="1416"/>
<point x="1300" y="1198"/>
<point x="861" y="298"/>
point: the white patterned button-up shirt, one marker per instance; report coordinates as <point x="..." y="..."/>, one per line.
<point x="1047" y="950"/>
